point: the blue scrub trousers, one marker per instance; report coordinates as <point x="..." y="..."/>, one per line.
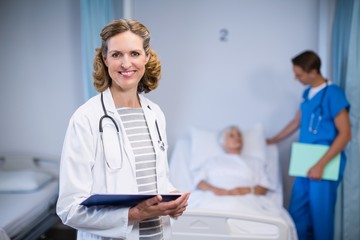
<point x="312" y="208"/>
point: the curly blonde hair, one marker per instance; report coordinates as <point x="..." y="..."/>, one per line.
<point x="151" y="77"/>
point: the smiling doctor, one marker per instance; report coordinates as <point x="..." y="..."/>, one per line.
<point x="116" y="144"/>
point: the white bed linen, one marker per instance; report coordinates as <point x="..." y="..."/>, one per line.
<point x="229" y="171"/>
<point x="19" y="210"/>
<point x="184" y="177"/>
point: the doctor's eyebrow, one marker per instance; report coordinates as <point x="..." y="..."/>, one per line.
<point x="122" y="52"/>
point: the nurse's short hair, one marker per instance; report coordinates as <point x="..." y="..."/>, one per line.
<point x="307" y="61"/>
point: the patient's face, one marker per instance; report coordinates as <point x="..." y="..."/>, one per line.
<point x="233" y="141"/>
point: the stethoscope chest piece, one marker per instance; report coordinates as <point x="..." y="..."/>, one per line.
<point x="161" y="145"/>
<point x="312" y="129"/>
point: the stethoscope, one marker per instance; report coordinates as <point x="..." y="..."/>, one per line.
<point x="160" y="141"/>
<point x="319" y="108"/>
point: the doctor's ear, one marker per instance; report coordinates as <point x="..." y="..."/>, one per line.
<point x="105" y="61"/>
<point x="148" y="57"/>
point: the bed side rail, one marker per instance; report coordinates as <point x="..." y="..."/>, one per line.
<point x="208" y="224"/>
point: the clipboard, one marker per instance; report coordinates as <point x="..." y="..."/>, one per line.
<point x="124" y="200"/>
<point x="305" y="155"/>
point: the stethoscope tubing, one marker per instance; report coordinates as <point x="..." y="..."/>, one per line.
<point x="318" y="108"/>
<point x="160" y="141"/>
<point x="106" y="116"/>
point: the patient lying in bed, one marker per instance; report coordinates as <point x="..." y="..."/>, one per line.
<point x="232" y="174"/>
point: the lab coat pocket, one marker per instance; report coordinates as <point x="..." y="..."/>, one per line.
<point x="112" y="147"/>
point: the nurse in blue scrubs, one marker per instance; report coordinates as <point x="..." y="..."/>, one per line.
<point x="323" y="118"/>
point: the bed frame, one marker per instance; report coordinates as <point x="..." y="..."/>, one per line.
<point x="39" y="226"/>
<point x="201" y="224"/>
<point x="39" y="221"/>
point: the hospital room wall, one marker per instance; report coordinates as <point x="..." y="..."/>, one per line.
<point x="206" y="82"/>
<point x="40" y="74"/>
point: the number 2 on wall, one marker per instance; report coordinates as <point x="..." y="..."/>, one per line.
<point x="224" y="33"/>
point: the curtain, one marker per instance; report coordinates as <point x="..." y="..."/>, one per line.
<point x="95" y="14"/>
<point x="346" y="73"/>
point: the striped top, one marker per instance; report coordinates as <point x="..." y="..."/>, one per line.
<point x="138" y="134"/>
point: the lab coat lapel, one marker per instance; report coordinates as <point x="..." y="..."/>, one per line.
<point x="150" y="117"/>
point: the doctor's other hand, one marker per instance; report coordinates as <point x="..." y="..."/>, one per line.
<point x="153" y="207"/>
<point x="178" y="205"/>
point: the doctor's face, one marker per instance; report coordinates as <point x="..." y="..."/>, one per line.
<point x="126" y="59"/>
<point x="233" y="141"/>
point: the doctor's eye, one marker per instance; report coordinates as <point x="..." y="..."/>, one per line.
<point x="115" y="55"/>
<point x="135" y="54"/>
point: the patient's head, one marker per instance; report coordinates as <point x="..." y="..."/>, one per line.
<point x="231" y="140"/>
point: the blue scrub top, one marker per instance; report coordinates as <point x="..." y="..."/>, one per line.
<point x="332" y="100"/>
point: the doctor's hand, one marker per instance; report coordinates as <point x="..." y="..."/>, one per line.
<point x="153" y="207"/>
<point x="181" y="204"/>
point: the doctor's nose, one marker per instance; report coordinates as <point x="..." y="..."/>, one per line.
<point x="125" y="63"/>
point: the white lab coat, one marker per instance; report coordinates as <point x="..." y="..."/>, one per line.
<point x="85" y="171"/>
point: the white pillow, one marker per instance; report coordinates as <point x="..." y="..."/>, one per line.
<point x="22" y="181"/>
<point x="205" y="145"/>
<point x="254" y="143"/>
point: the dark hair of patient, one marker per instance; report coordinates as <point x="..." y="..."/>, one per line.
<point x="152" y="73"/>
<point x="308" y="61"/>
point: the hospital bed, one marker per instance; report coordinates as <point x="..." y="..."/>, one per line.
<point x="190" y="153"/>
<point x="28" y="195"/>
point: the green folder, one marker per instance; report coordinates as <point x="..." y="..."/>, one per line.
<point x="304" y="156"/>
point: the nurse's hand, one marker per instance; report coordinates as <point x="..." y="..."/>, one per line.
<point x="153" y="207"/>
<point x="316" y="172"/>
